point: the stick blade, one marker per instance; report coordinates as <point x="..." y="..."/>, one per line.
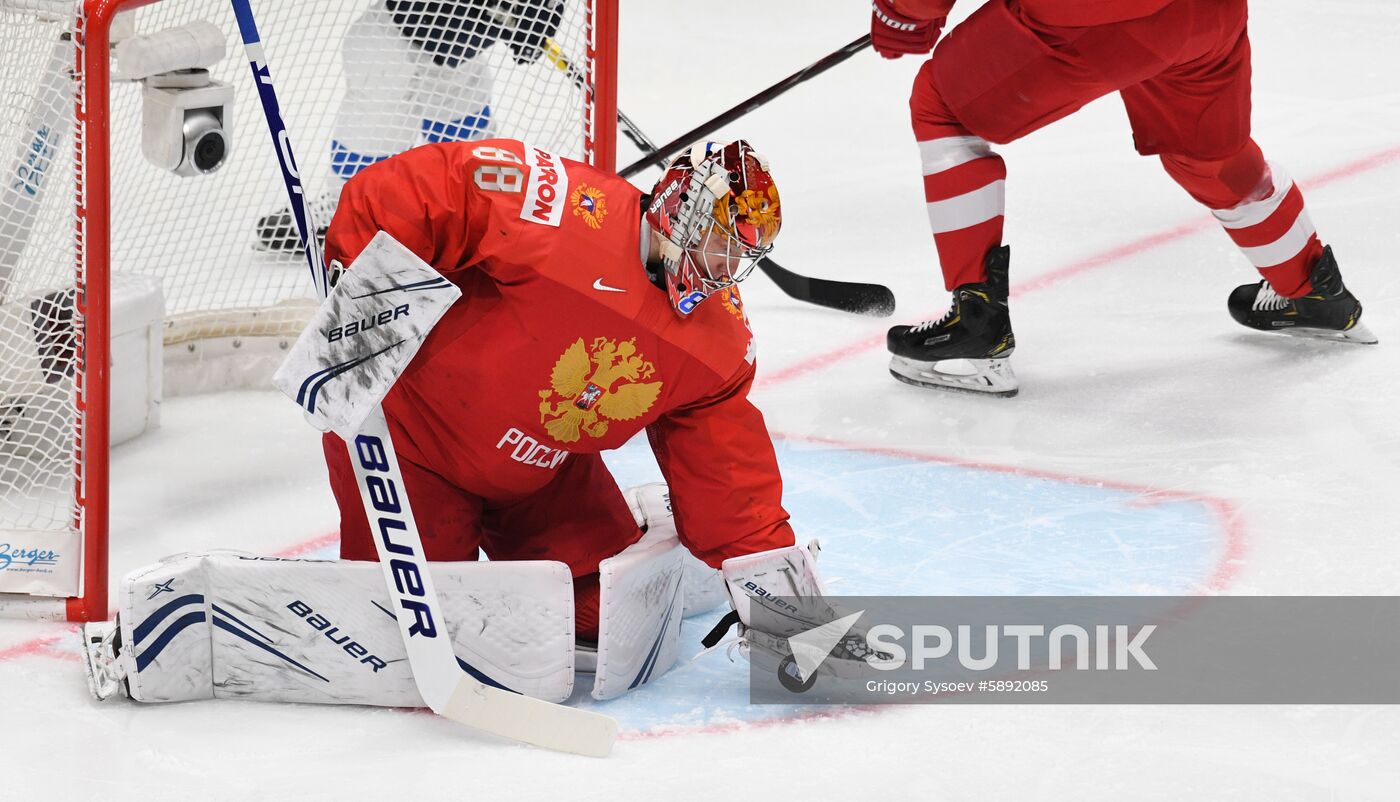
<point x="847" y="296"/>
<point x="529" y="720"/>
<point x="874" y="300"/>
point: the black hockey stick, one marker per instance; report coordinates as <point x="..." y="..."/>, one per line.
<point x="658" y="155"/>
<point x="847" y="296"/>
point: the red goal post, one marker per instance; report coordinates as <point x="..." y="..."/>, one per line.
<point x="82" y="212"/>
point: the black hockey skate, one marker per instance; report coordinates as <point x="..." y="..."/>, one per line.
<point x="969" y="347"/>
<point x="1329" y="312"/>
<point x="277" y="232"/>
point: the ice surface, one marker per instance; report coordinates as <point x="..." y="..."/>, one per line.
<point x="1155" y="447"/>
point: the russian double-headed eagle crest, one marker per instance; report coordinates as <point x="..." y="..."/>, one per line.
<point x="591" y="204"/>
<point x="732" y="303"/>
<point x="594" y="384"/>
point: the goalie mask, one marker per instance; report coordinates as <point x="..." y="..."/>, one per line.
<point x="716" y="209"/>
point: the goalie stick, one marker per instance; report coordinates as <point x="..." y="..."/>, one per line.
<point x="445" y="687"/>
<point x="847" y="296"/>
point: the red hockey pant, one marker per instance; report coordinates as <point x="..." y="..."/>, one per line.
<point x="579" y="518"/>
<point x="1184" y="77"/>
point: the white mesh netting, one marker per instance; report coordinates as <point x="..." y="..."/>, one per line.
<point x="358" y="81"/>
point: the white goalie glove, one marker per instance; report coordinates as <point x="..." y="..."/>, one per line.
<point x="778" y="594"/>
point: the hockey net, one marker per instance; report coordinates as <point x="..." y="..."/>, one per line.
<point x="82" y="211"/>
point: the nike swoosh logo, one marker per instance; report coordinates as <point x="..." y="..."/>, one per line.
<point x="601" y="287"/>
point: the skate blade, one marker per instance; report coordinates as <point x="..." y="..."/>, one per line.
<point x="987" y="377"/>
<point x="1358" y="334"/>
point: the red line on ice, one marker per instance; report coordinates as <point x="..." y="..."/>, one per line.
<point x="755" y="724"/>
<point x="311" y="545"/>
<point x="37" y="646"/>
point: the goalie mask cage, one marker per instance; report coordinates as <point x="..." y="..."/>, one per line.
<point x="80" y="209"/>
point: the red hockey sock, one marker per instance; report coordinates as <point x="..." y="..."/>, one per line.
<point x="1261" y="209"/>
<point x="964" y="186"/>
<point x="1277" y="235"/>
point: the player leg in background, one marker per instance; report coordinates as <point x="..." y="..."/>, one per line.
<point x="965" y="192"/>
<point x="1262" y="210"/>
<point x="962" y="102"/>
<point x="1184" y="76"/>
<point x="411" y="79"/>
<point x="1205" y="147"/>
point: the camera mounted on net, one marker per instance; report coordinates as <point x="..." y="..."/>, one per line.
<point x="184" y="112"/>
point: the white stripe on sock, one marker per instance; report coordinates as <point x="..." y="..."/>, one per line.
<point x="948" y="152"/>
<point x="969" y="209"/>
<point x="1284" y="248"/>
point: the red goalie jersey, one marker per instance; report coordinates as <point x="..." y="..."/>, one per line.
<point x="561" y="347"/>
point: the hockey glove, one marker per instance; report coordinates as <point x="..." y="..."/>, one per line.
<point x="893" y="34"/>
<point x="778" y="594"/>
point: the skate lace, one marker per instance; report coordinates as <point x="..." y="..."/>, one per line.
<point x="929" y="324"/>
<point x="1267" y="300"/>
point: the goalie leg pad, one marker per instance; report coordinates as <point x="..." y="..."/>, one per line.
<point x="163" y="611"/>
<point x="239" y="626"/>
<point x="702" y="587"/>
<point x="639" y="614"/>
